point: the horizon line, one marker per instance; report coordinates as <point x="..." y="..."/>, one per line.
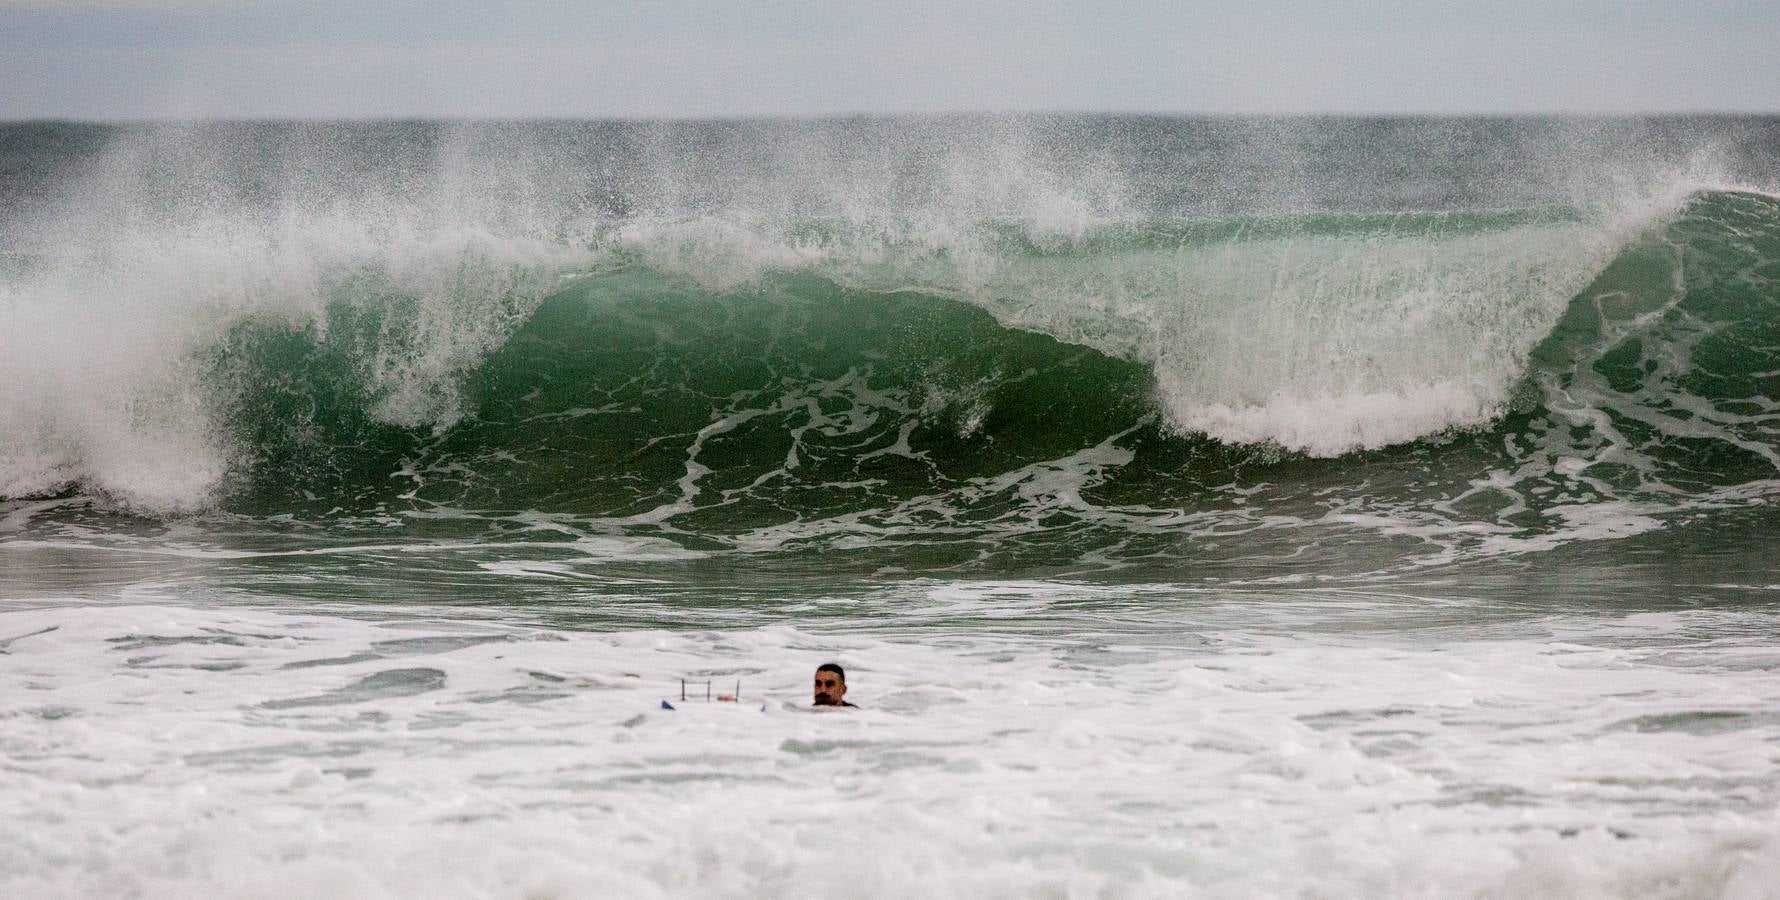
<point x="690" y="118"/>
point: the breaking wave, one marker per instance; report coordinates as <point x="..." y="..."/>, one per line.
<point x="492" y="323"/>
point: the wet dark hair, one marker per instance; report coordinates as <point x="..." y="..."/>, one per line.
<point x="835" y="668"/>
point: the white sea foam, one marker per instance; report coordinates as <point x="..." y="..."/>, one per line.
<point x="167" y="751"/>
<point x="142" y="266"/>
<point x="104" y="377"/>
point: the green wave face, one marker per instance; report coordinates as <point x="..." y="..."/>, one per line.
<point x="1663" y="370"/>
<point x="798" y="395"/>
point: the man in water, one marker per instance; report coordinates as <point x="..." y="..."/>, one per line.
<point x="831" y="685"/>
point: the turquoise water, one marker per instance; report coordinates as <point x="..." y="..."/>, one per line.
<point x="1204" y="506"/>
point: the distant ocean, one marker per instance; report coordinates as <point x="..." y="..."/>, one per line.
<point x="1201" y="507"/>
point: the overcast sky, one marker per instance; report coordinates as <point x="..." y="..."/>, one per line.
<point x="133" y="59"/>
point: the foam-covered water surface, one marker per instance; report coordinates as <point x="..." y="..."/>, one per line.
<point x="1004" y="746"/>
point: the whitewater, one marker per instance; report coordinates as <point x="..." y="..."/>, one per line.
<point x="1201" y="507"/>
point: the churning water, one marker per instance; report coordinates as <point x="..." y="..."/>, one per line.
<point x="1292" y="507"/>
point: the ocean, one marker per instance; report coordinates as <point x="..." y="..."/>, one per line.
<point x="1201" y="507"/>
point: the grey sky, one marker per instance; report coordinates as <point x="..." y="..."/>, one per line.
<point x="109" y="59"/>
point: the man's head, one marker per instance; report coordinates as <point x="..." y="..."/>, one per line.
<point x="831" y="684"/>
